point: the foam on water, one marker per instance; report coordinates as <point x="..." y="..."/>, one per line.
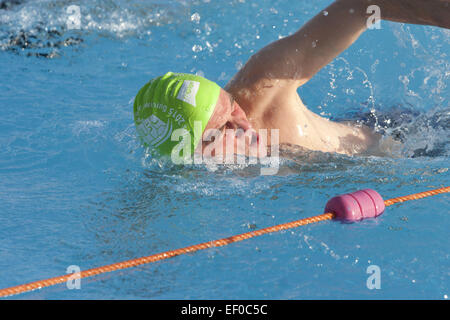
<point x="44" y="26"/>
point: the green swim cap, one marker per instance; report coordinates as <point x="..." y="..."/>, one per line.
<point x="174" y="101"/>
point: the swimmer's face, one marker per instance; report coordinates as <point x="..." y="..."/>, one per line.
<point x="228" y="129"/>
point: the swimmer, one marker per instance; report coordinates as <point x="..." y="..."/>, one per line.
<point x="263" y="94"/>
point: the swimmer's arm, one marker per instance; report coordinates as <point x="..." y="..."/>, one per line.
<point x="426" y="12"/>
<point x="295" y="59"/>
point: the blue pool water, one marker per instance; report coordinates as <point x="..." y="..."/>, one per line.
<point x="76" y="188"/>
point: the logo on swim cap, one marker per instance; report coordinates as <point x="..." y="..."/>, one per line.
<point x="170" y="102"/>
<point x="154" y="131"/>
<point x="188" y="92"/>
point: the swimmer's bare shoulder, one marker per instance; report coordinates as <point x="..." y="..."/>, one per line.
<point x="275" y="72"/>
<point x="374" y="143"/>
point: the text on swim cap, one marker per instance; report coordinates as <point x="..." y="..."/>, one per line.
<point x="188" y="92"/>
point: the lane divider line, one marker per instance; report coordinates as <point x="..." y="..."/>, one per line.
<point x="193" y="248"/>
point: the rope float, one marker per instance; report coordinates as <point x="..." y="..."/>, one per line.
<point x="350" y="207"/>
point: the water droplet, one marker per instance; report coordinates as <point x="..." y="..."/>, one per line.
<point x="197" y="48"/>
<point x="210" y="47"/>
<point x="195" y="17"/>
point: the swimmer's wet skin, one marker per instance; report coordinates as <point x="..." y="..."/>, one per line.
<point x="263" y="94"/>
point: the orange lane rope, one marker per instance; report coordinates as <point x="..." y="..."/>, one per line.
<point x="211" y="244"/>
<point x="416" y="196"/>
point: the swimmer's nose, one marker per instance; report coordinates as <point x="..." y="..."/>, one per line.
<point x="241" y="123"/>
<point x="240" y="119"/>
<point x="254" y="136"/>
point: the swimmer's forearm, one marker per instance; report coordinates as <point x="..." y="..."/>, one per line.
<point x="299" y="56"/>
<point x="424" y="12"/>
<point x="334" y="29"/>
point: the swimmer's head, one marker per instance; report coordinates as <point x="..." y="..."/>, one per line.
<point x="183" y="101"/>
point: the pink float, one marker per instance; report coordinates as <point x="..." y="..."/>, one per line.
<point x="356" y="206"/>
